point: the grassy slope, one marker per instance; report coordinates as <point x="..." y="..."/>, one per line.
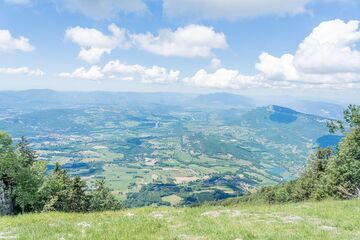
<point x="320" y="220"/>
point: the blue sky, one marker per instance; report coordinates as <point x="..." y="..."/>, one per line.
<point x="250" y="47"/>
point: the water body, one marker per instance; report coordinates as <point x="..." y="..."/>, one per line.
<point x="328" y="140"/>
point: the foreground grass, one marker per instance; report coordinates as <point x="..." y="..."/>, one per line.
<point x="318" y="220"/>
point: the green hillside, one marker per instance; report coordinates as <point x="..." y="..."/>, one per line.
<point x="308" y="220"/>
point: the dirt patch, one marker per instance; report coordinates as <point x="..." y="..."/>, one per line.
<point x="129" y="214"/>
<point x="328" y="228"/>
<point x="189" y="237"/>
<point x="150" y="162"/>
<point x="83" y="226"/>
<point x="180" y="225"/>
<point x="235" y="213"/>
<point x="315" y="221"/>
<point x="218" y="213"/>
<point x="99" y="147"/>
<point x="7" y="235"/>
<point x="157" y="215"/>
<point x="212" y="214"/>
<point x="307" y="206"/>
<point x="181" y="180"/>
<point x="291" y="219"/>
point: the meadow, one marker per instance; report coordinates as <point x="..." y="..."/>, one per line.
<point x="307" y="220"/>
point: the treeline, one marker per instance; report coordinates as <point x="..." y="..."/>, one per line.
<point x="29" y="189"/>
<point x="331" y="173"/>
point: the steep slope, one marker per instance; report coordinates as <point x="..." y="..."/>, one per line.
<point x="285" y="125"/>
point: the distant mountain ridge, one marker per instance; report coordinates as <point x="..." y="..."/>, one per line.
<point x="323" y="109"/>
<point x="45" y="98"/>
<point x="225" y="99"/>
<point x="51" y="98"/>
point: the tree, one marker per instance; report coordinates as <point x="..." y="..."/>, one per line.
<point x="78" y="200"/>
<point x="311" y="179"/>
<point x="7" y="170"/>
<point x="20" y="173"/>
<point x="102" y="199"/>
<point x="29" y="177"/>
<point x="56" y="190"/>
<point x="26" y="190"/>
<point x="23" y="179"/>
<point x="344" y="170"/>
<point x="25" y="153"/>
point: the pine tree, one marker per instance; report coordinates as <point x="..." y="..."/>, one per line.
<point x="25" y="153"/>
<point x="78" y="199"/>
<point x="102" y="198"/>
<point x="20" y="173"/>
<point x="56" y="190"/>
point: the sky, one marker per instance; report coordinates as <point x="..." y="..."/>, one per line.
<point x="301" y="48"/>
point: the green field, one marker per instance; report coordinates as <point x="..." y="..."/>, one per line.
<point x="308" y="220"/>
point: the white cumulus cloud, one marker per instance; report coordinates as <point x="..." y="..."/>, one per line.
<point x="22" y="71"/>
<point x="330" y="48"/>
<point x="223" y="78"/>
<point x="160" y="75"/>
<point x="93" y="73"/>
<point x="277" y="68"/>
<point x="188" y="41"/>
<point x="154" y="74"/>
<point x="8" y="43"/>
<point x="328" y="56"/>
<point x="94" y="44"/>
<point x="117" y="70"/>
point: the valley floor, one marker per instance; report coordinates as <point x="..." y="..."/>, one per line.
<point x="309" y="220"/>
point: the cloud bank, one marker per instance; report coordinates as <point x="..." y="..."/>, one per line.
<point x="328" y="57"/>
